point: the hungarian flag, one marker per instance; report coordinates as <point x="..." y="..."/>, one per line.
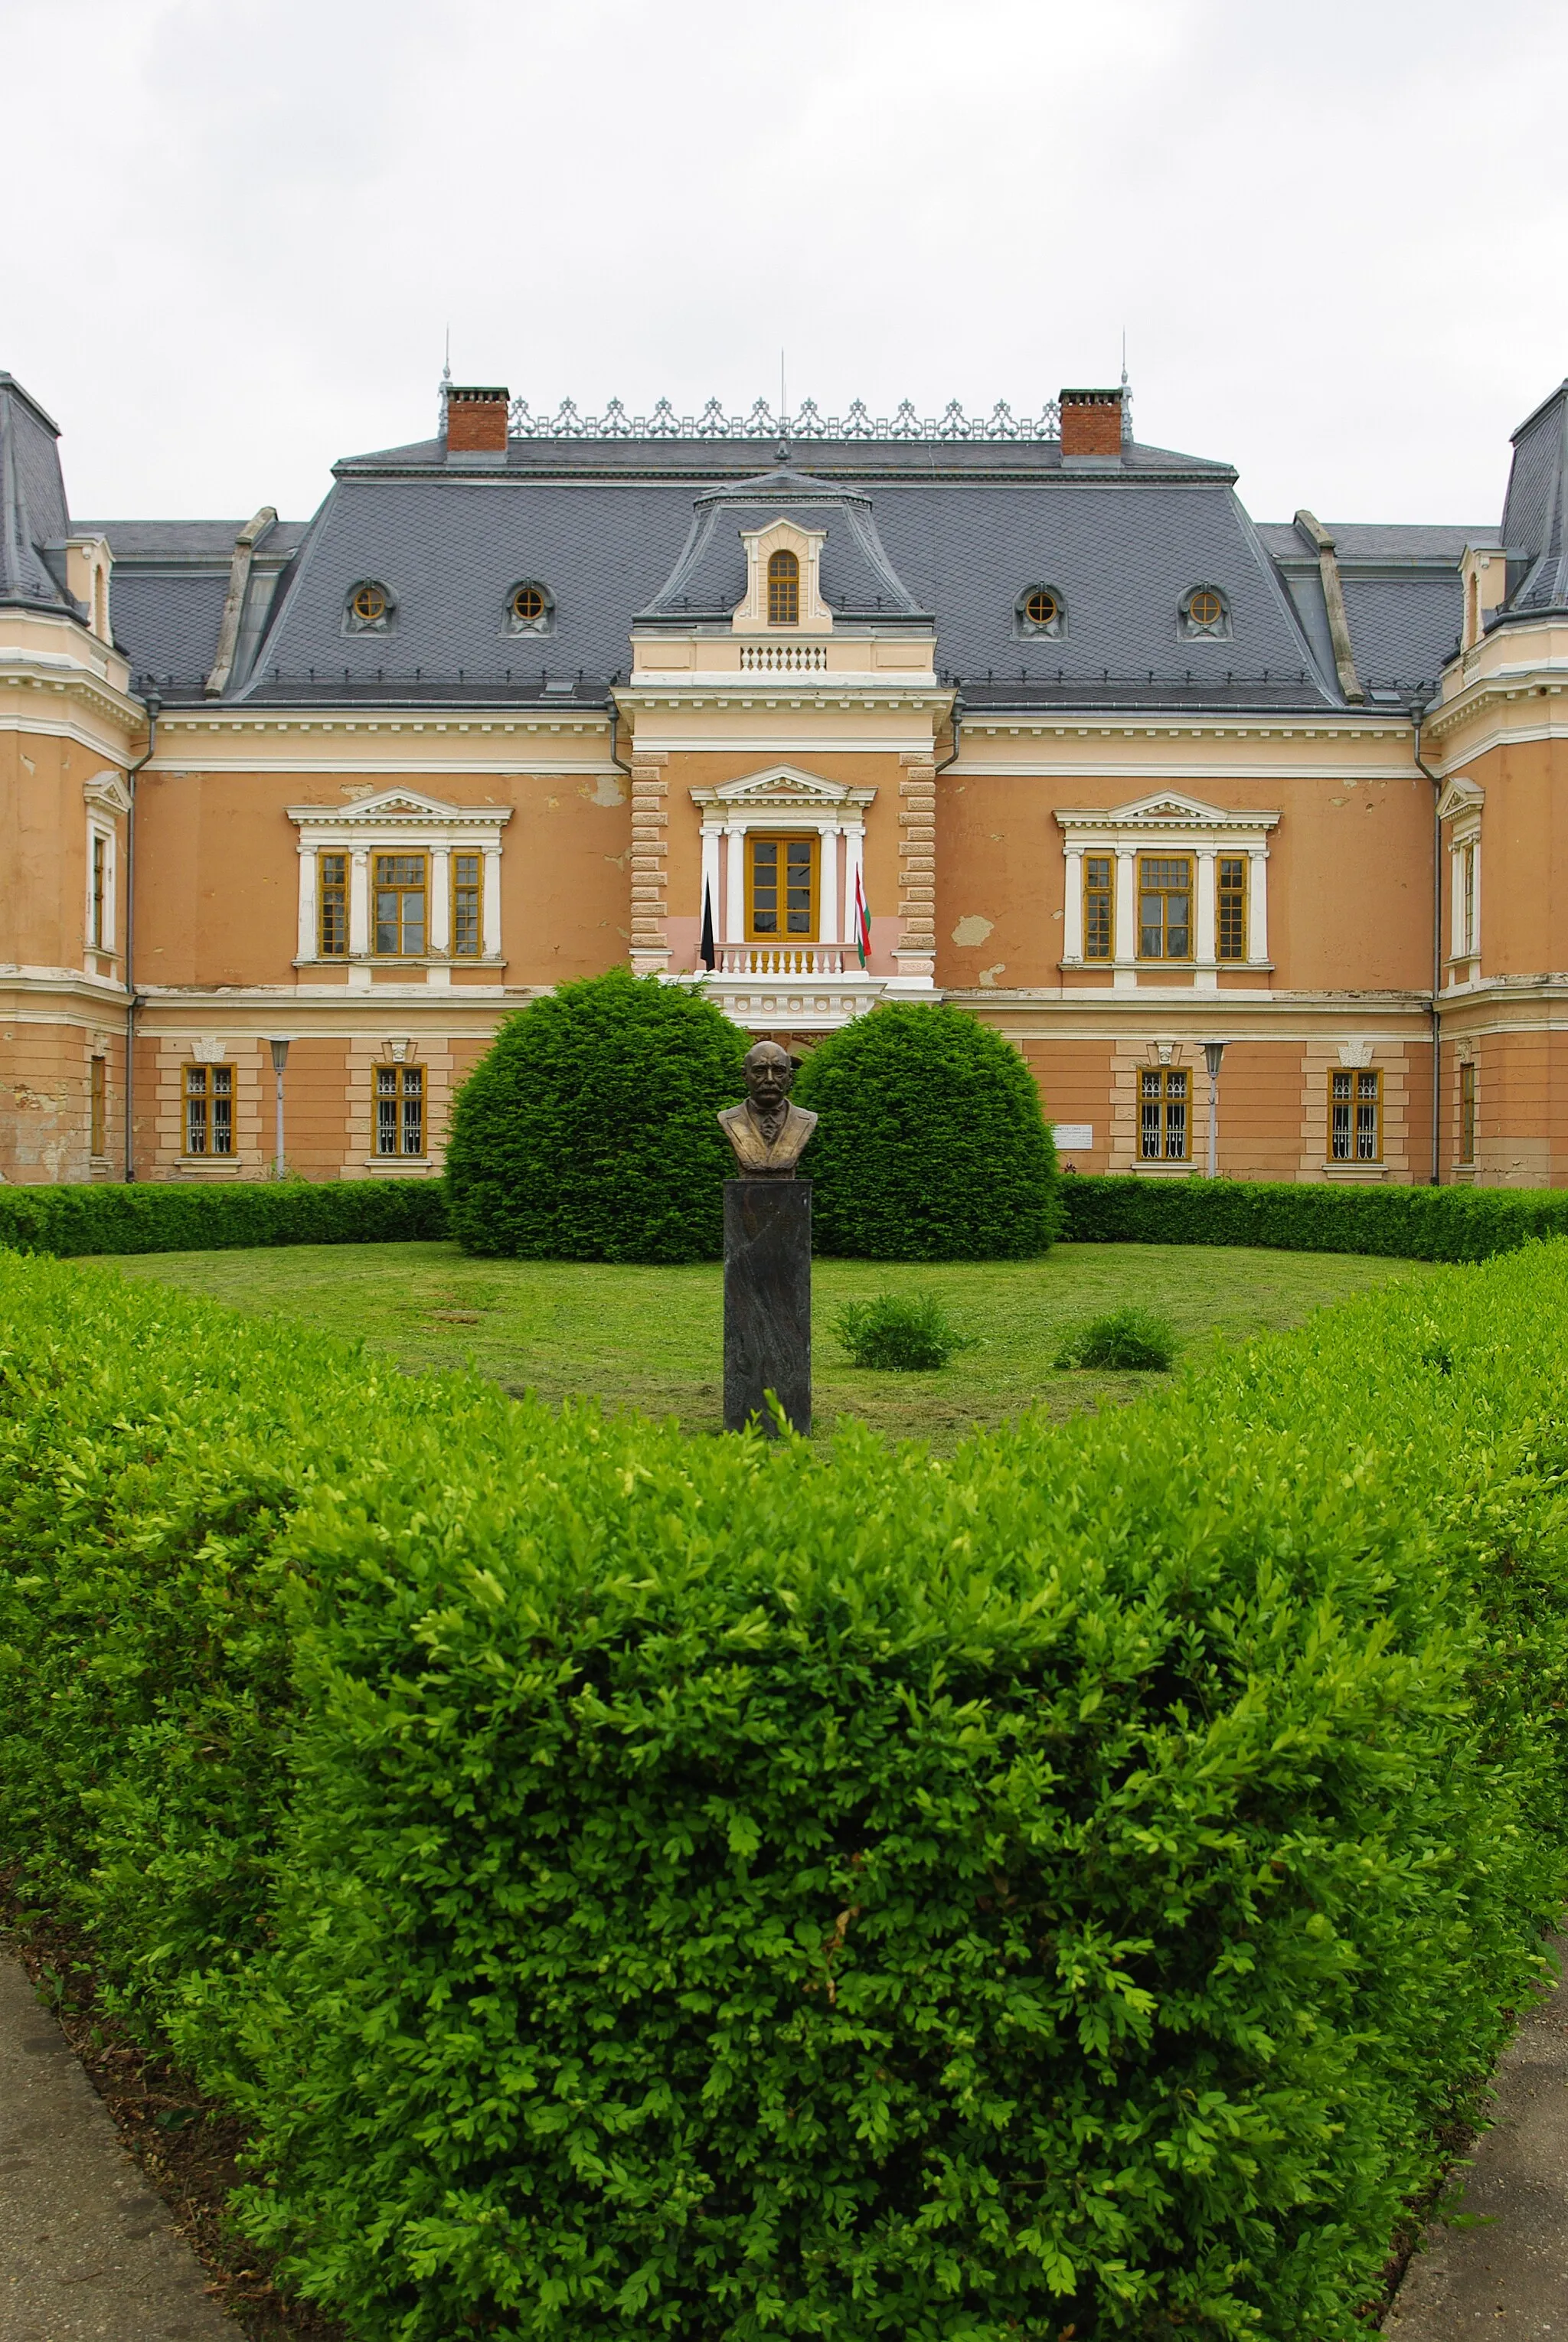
<point x="705" y="951"/>
<point x="861" y="921"/>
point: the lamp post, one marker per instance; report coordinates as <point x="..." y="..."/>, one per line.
<point x="279" y="1060"/>
<point x="1212" y="1052"/>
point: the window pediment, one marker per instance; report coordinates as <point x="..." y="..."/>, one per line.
<point x="780" y="791"/>
<point x="107" y="792"/>
<point x="1460" y="796"/>
<point x="395" y="811"/>
<point x="1166" y="814"/>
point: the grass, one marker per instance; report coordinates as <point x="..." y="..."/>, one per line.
<point x="650" y="1338"/>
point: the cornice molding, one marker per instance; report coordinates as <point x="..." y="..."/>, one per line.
<point x="1490" y="691"/>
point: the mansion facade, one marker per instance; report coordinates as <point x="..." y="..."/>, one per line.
<point x="813" y="712"/>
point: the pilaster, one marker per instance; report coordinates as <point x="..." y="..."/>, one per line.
<point x="649" y="949"/>
<point x="916" y="955"/>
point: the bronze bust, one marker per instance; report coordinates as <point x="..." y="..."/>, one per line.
<point x="767" y="1134"/>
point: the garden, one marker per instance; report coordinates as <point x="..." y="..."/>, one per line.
<point x="1066" y="1879"/>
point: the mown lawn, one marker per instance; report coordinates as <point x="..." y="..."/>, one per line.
<point x="651" y="1338"/>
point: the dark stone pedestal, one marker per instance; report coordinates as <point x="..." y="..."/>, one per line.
<point x="767" y="1300"/>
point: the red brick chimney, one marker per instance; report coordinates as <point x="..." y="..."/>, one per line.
<point x="1091" y="421"/>
<point x="475" y="421"/>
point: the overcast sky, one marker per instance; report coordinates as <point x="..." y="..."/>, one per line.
<point x="1333" y="231"/>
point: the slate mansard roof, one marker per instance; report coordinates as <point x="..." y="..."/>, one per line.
<point x="922" y="530"/>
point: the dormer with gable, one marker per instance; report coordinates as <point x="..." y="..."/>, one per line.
<point x="782" y="576"/>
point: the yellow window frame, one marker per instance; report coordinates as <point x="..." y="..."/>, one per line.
<point x="1354" y="1113"/>
<point x="1099" y="907"/>
<point x="802" y="848"/>
<point x="207" y="1110"/>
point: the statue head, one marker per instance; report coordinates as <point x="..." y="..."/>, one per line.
<point x="769" y="1072"/>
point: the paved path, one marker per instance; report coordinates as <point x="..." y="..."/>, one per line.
<point x="87" y="2251"/>
<point x="1508" y="2280"/>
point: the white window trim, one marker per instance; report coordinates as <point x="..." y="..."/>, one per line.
<point x="399" y="821"/>
<point x="784" y="798"/>
<point x="1459" y="806"/>
<point x="1173" y="825"/>
<point x="108" y="799"/>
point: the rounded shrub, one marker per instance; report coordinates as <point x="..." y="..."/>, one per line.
<point x="932" y="1144"/>
<point x="903" y="1333"/>
<point x="1124" y="1341"/>
<point x="587" y="1132"/>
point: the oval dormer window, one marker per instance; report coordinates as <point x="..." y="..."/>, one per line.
<point x="784" y="589"/>
<point x="1041" y="611"/>
<point x="368" y="609"/>
<point x="530" y="607"/>
<point x="1204" y="611"/>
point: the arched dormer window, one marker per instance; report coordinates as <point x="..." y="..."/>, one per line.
<point x="1204" y="611"/>
<point x="367" y="608"/>
<point x="1041" y="610"/>
<point x="784" y="589"/>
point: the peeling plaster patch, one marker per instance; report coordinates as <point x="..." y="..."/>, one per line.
<point x="32" y="767"/>
<point x="988" y="976"/>
<point x="616" y="861"/>
<point x="351" y="789"/>
<point x="971" y="931"/>
<point x="605" y="791"/>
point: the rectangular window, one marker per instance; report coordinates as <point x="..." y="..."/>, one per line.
<point x="400" y="1109"/>
<point x="781" y="889"/>
<point x="1165" y="1125"/>
<point x="99" y="918"/>
<point x="1164" y="906"/>
<point x="1467" y="1113"/>
<point x="1230" y="907"/>
<point x="98" y="1105"/>
<point x="399" y="905"/>
<point x="332" y="874"/>
<point x="1355" y="1116"/>
<point x="1099" y="922"/>
<point x="465" y="920"/>
<point x="209" y="1103"/>
<point x="1467" y="900"/>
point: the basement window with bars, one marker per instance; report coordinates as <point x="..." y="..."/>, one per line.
<point x="400" y="1110"/>
<point x="208" y="1098"/>
<point x="1467" y="1113"/>
<point x="1164" y="1121"/>
<point x="1355" y="1115"/>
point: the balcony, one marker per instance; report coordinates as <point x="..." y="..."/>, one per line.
<point x="780" y="959"/>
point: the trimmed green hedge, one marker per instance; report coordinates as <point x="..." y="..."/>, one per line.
<point x="1410" y="1222"/>
<point x="698" y="1889"/>
<point x="932" y="1144"/>
<point x="588" y="1130"/>
<point x="181" y="1216"/>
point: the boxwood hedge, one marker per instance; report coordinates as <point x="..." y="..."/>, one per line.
<point x="643" y="1886"/>
<point x="932" y="1144"/>
<point x="1410" y="1222"/>
<point x="178" y="1216"/>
